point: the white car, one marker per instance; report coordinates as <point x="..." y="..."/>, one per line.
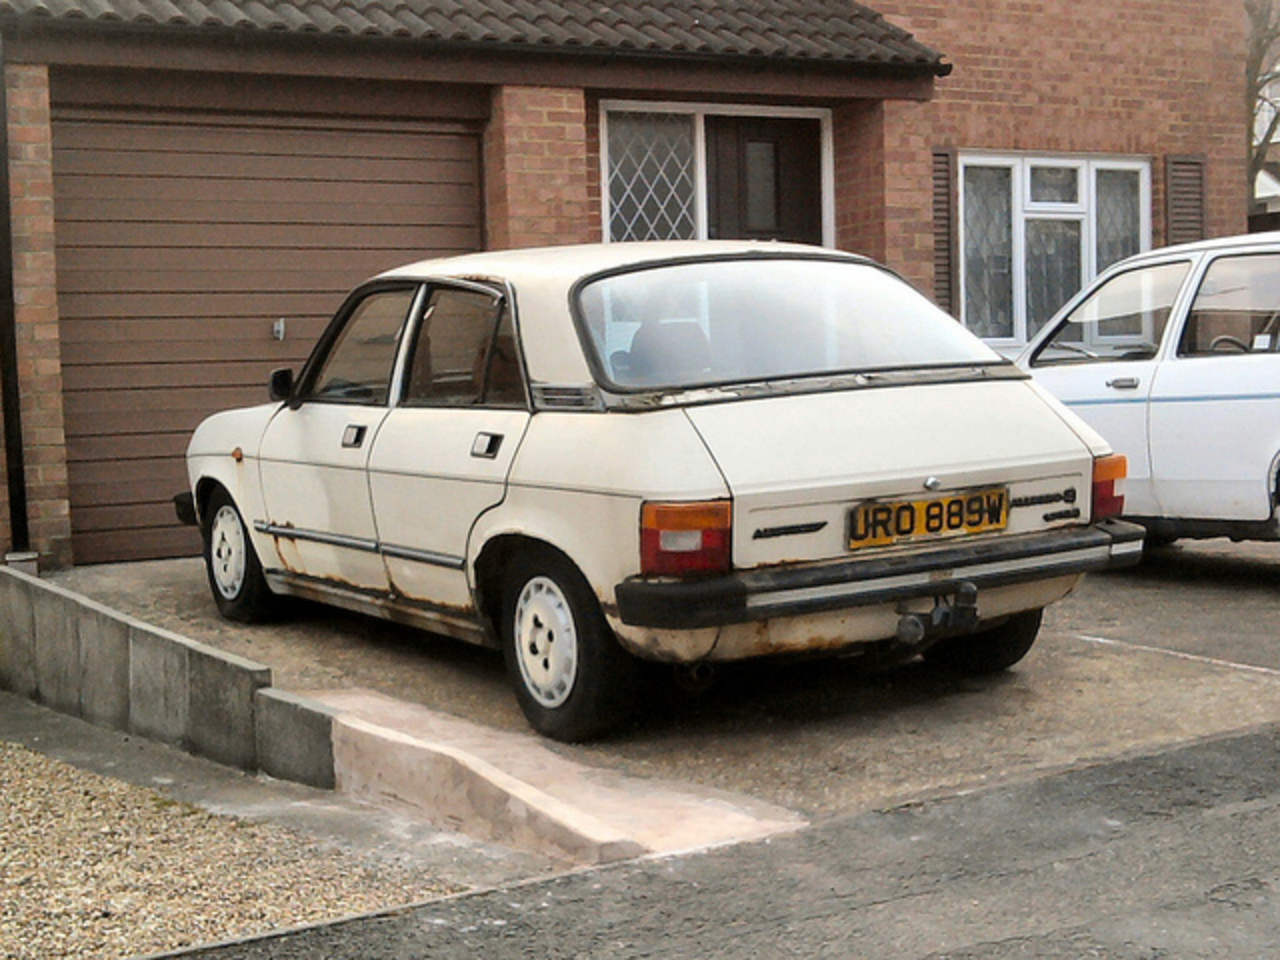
<point x="1174" y="357"/>
<point x="681" y="452"/>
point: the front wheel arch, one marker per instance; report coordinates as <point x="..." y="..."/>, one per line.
<point x="235" y="573"/>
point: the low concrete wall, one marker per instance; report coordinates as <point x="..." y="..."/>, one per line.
<point x="81" y="658"/>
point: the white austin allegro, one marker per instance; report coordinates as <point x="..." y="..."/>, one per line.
<point x="689" y="453"/>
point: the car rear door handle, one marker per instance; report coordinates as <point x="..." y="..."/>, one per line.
<point x="486" y="445"/>
<point x="353" y="436"/>
<point x="1123" y="383"/>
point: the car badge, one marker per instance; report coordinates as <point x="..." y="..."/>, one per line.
<point x="933" y="483"/>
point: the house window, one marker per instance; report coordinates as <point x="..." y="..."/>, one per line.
<point x="653" y="176"/>
<point x="1034" y="230"/>
<point x="690" y="172"/>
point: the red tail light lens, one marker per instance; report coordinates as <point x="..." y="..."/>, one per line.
<point x="682" y="539"/>
<point x="1106" y="472"/>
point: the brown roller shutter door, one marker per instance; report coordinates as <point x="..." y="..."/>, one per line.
<point x="181" y="241"/>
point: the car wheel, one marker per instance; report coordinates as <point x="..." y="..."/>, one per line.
<point x="235" y="575"/>
<point x="572" y="679"/>
<point x="988" y="651"/>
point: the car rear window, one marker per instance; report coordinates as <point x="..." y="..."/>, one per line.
<point x="704" y="323"/>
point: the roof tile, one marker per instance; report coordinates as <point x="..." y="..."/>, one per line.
<point x="834" y="31"/>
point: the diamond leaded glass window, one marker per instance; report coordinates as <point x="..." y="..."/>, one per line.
<point x="652" y="177"/>
<point x="1036" y="229"/>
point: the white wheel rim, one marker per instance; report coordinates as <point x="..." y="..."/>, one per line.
<point x="546" y="642"/>
<point x="227" y="552"/>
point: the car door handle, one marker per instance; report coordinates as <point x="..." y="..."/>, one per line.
<point x="1123" y="383"/>
<point x="486" y="445"/>
<point x="353" y="436"/>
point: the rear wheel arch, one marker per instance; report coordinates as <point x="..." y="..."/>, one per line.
<point x="490" y="572"/>
<point x="534" y="600"/>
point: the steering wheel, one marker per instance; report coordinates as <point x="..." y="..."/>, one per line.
<point x="1226" y="341"/>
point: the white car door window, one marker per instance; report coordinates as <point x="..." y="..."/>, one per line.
<point x="359" y="364"/>
<point x="443" y="454"/>
<point x="316" y="450"/>
<point x="1215" y="407"/>
<point x="1101" y="361"/>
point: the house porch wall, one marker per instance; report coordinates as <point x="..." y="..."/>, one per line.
<point x="38" y="333"/>
<point x="536" y="171"/>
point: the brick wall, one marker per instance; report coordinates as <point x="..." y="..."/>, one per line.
<point x="1145" y="78"/>
<point x="35" y="283"/>
<point x="536" y="184"/>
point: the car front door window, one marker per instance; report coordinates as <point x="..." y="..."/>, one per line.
<point x="1122" y="320"/>
<point x="358" y="366"/>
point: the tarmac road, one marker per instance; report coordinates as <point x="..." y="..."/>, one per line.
<point x="1171" y="856"/>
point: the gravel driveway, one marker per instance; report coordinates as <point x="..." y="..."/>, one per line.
<point x="94" y="867"/>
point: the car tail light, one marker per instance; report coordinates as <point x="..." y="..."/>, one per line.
<point x="1106" y="471"/>
<point x="678" y="539"/>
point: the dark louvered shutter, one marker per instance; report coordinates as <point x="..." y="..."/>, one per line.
<point x="944" y="230"/>
<point x="1185" y="198"/>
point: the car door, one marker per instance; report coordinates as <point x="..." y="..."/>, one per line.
<point x="315" y="451"/>
<point x="444" y="451"/>
<point x="1101" y="357"/>
<point x="1215" y="405"/>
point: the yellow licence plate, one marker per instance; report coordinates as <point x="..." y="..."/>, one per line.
<point x="879" y="523"/>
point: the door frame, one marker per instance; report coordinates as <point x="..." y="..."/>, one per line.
<point x="699" y="112"/>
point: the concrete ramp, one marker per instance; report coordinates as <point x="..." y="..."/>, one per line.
<point x="515" y="789"/>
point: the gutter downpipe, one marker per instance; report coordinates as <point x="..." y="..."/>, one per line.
<point x="10" y="397"/>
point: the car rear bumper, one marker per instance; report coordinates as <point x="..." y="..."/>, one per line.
<point x="797" y="590"/>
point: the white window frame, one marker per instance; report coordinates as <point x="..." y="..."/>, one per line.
<point x="699" y="112"/>
<point x="1023" y="209"/>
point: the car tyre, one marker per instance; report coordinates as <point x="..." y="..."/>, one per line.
<point x="572" y="679"/>
<point x="987" y="651"/>
<point x="235" y="575"/>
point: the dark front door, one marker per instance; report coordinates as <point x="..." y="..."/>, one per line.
<point x="765" y="177"/>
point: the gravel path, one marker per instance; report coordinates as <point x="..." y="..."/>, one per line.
<point x="93" y="867"/>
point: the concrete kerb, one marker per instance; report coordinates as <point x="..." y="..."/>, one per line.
<point x="295" y="738"/>
<point x="84" y="659"/>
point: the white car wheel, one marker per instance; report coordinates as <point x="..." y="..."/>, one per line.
<point x="546" y="642"/>
<point x="227" y="548"/>
<point x="572" y="679"/>
<point x="235" y="576"/>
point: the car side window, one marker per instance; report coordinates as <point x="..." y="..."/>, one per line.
<point x="465" y="353"/>
<point x="358" y="366"/>
<point x="1236" y="309"/>
<point x="1123" y="319"/>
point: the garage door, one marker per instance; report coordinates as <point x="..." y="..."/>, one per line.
<point x="185" y="248"/>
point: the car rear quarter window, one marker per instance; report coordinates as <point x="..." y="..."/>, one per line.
<point x="1236" y="309"/>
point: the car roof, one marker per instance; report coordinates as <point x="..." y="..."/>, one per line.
<point x="1244" y="241"/>
<point x="572" y="261"/>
